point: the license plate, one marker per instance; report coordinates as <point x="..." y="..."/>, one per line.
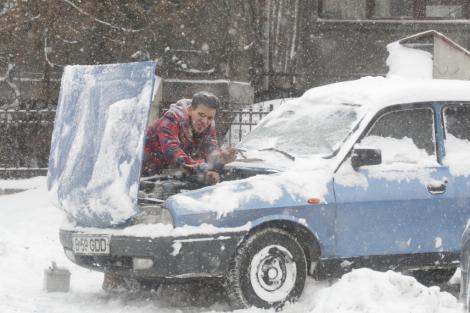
<point x="90" y="244"/>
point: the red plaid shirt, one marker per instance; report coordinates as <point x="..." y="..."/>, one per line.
<point x="171" y="143"/>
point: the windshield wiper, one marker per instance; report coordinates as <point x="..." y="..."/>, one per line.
<point x="290" y="156"/>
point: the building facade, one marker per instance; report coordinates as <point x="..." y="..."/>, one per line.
<point x="281" y="47"/>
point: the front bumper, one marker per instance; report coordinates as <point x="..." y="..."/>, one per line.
<point x="173" y="257"/>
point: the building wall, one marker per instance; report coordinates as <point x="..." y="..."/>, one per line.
<point x="341" y="43"/>
<point x="342" y="50"/>
<point x="281" y="47"/>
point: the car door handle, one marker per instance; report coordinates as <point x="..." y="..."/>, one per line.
<point x="437" y="189"/>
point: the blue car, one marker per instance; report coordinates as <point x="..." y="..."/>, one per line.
<point x="372" y="172"/>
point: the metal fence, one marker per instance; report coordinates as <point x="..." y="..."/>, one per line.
<point x="236" y="124"/>
<point x="25" y="136"/>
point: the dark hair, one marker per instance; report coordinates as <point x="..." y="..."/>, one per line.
<point x="205" y="98"/>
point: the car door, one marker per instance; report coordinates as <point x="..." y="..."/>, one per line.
<point x="401" y="205"/>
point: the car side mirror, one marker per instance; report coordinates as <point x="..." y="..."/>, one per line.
<point x="361" y="157"/>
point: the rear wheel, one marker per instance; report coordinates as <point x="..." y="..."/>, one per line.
<point x="268" y="269"/>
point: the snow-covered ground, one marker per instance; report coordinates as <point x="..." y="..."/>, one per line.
<point x="29" y="242"/>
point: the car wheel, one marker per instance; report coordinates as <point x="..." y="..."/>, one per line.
<point x="269" y="268"/>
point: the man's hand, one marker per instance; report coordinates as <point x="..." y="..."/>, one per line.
<point x="228" y="155"/>
<point x="212" y="178"/>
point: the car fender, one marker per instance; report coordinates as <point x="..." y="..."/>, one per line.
<point x="314" y="248"/>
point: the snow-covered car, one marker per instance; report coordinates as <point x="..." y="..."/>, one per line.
<point x="372" y="172"/>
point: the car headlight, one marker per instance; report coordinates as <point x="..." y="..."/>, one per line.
<point x="153" y="214"/>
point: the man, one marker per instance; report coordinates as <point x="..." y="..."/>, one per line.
<point x="185" y="138"/>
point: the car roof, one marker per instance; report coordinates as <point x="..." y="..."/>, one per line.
<point x="374" y="93"/>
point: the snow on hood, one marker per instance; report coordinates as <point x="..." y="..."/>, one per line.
<point x="97" y="143"/>
<point x="306" y="179"/>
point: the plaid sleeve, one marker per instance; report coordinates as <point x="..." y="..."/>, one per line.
<point x="151" y="162"/>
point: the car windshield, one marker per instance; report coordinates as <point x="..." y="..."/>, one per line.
<point x="300" y="128"/>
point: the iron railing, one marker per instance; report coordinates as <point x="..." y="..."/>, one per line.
<point x="25" y="136"/>
<point x="236" y="124"/>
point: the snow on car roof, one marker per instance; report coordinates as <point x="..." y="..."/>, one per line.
<point x="374" y="93"/>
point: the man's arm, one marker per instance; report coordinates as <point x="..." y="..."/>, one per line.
<point x="215" y="156"/>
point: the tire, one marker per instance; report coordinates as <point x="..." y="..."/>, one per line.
<point x="269" y="268"/>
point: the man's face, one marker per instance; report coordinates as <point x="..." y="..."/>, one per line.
<point x="201" y="117"/>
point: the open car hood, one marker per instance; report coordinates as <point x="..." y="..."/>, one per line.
<point x="97" y="142"/>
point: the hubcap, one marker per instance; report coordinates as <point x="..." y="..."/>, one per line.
<point x="273" y="273"/>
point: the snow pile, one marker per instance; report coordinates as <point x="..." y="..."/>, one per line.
<point x="408" y="63"/>
<point x="364" y="290"/>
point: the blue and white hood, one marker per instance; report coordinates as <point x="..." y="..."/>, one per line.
<point x="304" y="179"/>
<point x="97" y="142"/>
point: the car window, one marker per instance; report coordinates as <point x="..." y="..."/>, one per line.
<point x="304" y="128"/>
<point x="403" y="136"/>
<point x="457" y="138"/>
<point x="457" y="121"/>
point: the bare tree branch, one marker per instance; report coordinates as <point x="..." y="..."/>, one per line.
<point x="19" y="23"/>
<point x="127" y="30"/>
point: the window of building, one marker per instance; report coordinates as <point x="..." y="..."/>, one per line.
<point x="395" y="9"/>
